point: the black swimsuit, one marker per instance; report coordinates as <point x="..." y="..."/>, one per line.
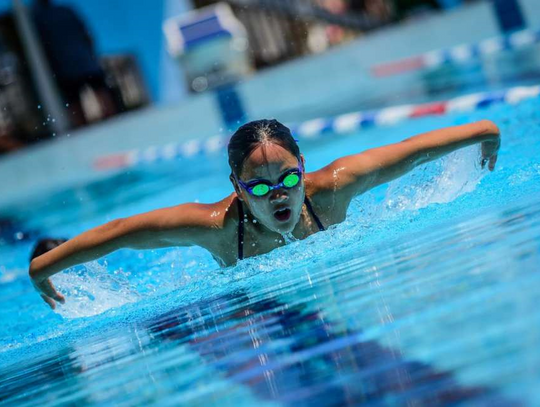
<point x="241" y="224"/>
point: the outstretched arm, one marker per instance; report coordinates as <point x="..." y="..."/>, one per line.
<point x="361" y="172"/>
<point x="183" y="225"/>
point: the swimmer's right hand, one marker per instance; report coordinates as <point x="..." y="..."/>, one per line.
<point x="39" y="278"/>
<point x="46" y="289"/>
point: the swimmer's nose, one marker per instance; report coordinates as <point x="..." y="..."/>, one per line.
<point x="278" y="196"/>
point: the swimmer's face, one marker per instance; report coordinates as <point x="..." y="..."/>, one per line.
<point x="280" y="209"/>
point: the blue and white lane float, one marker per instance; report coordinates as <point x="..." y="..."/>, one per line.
<point x="316" y="128"/>
<point x="458" y="54"/>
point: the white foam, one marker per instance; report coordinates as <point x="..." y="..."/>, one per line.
<point x="92" y="290"/>
<point x="436" y="183"/>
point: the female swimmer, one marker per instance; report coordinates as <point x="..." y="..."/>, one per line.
<point x="273" y="197"/>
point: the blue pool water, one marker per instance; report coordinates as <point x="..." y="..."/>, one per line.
<point x="426" y="295"/>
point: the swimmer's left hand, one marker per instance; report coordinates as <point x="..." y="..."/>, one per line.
<point x="47" y="291"/>
<point x="40" y="280"/>
<point x="490" y="149"/>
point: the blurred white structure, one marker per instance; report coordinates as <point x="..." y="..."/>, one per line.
<point x="211" y="45"/>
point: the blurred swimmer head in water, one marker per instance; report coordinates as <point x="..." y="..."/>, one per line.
<point x="44" y="245"/>
<point x="268" y="173"/>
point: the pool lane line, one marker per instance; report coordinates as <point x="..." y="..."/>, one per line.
<point x="458" y="54"/>
<point x="316" y="128"/>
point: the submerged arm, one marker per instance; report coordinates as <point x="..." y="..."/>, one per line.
<point x="183" y="225"/>
<point x="361" y="172"/>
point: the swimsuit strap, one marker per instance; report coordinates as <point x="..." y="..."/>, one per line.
<point x="240" y="230"/>
<point x="310" y="210"/>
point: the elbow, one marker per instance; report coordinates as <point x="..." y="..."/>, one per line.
<point x="32" y="270"/>
<point x="35" y="268"/>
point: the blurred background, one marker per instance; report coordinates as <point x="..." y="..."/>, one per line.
<point x="67" y="64"/>
<point x="81" y="81"/>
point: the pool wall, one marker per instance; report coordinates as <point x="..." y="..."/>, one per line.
<point x="330" y="83"/>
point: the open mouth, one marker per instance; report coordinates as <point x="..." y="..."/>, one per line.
<point x="282" y="215"/>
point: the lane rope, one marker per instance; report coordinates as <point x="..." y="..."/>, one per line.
<point x="459" y="53"/>
<point x="316" y="128"/>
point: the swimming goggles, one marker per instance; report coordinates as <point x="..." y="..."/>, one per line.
<point x="261" y="187"/>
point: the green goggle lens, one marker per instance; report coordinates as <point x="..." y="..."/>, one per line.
<point x="291" y="180"/>
<point x="260" y="189"/>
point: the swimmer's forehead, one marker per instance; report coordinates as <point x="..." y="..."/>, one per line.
<point x="268" y="161"/>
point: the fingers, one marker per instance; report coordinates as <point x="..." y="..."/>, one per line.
<point x="492" y="162"/>
<point x="49" y="301"/>
<point x="49" y="293"/>
<point x="489" y="153"/>
<point x="48" y="289"/>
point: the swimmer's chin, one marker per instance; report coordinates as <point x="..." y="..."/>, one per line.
<point x="284" y="227"/>
<point x="283" y="230"/>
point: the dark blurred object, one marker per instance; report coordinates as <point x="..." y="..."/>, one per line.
<point x="406" y="8"/>
<point x="125" y="81"/>
<point x="73" y="60"/>
<point x="8" y="66"/>
<point x="382" y="9"/>
<point x="231" y="106"/>
<point x="44" y="245"/>
<point x="114" y="79"/>
<point x="280" y="30"/>
<point x="20" y="118"/>
<point x="509" y="15"/>
<point x="12" y="232"/>
<point x="274" y="36"/>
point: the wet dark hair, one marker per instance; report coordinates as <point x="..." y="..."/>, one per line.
<point x="45" y="245"/>
<point x="251" y="135"/>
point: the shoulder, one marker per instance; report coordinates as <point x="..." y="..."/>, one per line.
<point x="219" y="225"/>
<point x="324" y="192"/>
<point x="212" y="226"/>
<point x="333" y="187"/>
<point x="221" y="215"/>
<point x="189" y="215"/>
<point x="343" y="178"/>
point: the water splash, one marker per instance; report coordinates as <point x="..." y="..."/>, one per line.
<point x="289" y="238"/>
<point x="95" y="289"/>
<point x="439" y="182"/>
<point x="92" y="289"/>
